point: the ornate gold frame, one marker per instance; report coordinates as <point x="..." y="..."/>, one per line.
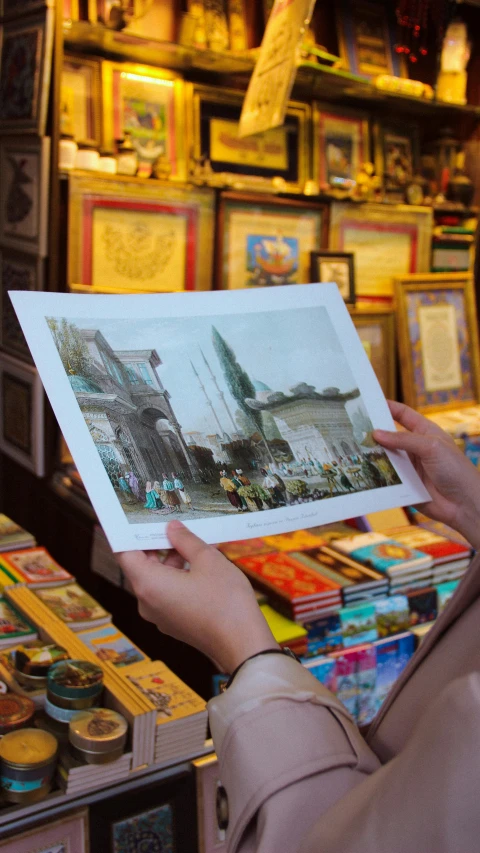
<point x="430" y="283"/>
<point x="363" y="316"/>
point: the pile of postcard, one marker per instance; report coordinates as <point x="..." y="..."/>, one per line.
<point x="33" y="566"/>
<point x="12" y="536"/>
<point x="181" y="724"/>
<point x="75" y="777"/>
<point x="449" y="559"/>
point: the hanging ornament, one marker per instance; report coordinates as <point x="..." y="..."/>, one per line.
<point x="414" y="17"/>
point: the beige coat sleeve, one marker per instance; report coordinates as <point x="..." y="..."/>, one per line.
<point x="300" y="779"/>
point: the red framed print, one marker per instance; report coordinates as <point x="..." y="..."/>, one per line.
<point x="147" y="103"/>
<point x="139" y="236"/>
<point x="341" y="145"/>
<point x="388" y="242"/>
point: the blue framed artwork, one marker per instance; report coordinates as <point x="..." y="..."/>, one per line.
<point x="366" y="35"/>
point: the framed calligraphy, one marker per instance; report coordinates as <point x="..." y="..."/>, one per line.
<point x="25" y="68"/>
<point x="375" y="325"/>
<point x="264" y="242"/>
<point x="438" y="341"/>
<point x="22" y="414"/>
<point x="277" y="158"/>
<point x="25" y="170"/>
<point x="148" y="103"/>
<point x="388" y="241"/>
<point x="131" y="235"/>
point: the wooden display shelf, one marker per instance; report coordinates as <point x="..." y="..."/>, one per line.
<point x="83" y="37"/>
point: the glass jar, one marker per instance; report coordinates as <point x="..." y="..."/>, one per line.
<point x="87" y="157"/>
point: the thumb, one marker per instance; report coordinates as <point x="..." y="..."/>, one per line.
<point x="411" y="442"/>
<point x="185" y="542"/>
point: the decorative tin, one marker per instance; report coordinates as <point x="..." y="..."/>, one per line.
<point x="27" y="764"/>
<point x="15" y="712"/>
<point x="32" y="664"/>
<point x="74" y="684"/>
<point x="61" y="715"/>
<point x="98" y="735"/>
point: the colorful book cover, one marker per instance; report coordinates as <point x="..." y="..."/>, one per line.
<point x="422" y="520"/>
<point x="311" y="559"/>
<point x="36" y="567"/>
<point x="332" y="531"/>
<point x="351" y="571"/>
<point x="366" y="679"/>
<point x="393" y="655"/>
<point x="423" y="605"/>
<point x="14" y="626"/>
<point x="324" y="635"/>
<point x="380" y="521"/>
<point x="73" y="605"/>
<point x="244" y="548"/>
<point x="284" y="630"/>
<point x="358" y="624"/>
<point x="298" y="540"/>
<point x="109" y="644"/>
<point x="347" y="682"/>
<point x="324" y="670"/>
<point x="439" y="547"/>
<point x="172" y="698"/>
<point x="287" y="577"/>
<point x="13" y="536"/>
<point x="445" y="592"/>
<point x="392" y="615"/>
<point x="383" y="554"/>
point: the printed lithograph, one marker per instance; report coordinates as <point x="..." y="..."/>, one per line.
<point x="242" y="414"/>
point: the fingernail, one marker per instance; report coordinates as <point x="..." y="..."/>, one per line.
<point x="380" y="433"/>
<point x="176" y="524"/>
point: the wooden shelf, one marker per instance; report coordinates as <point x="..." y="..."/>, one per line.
<point x="83" y="37"/>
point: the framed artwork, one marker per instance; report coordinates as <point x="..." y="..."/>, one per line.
<point x="25" y="68"/>
<point x="149" y="104"/>
<point x="67" y="835"/>
<point x="25" y="170"/>
<point x="149" y="818"/>
<point x="18" y="272"/>
<point x="438" y="341"/>
<point x="22" y="414"/>
<point x="16" y="8"/>
<point x="337" y="267"/>
<point x="211" y="838"/>
<point x="139" y="236"/>
<point x="278" y="153"/>
<point x="366" y="35"/>
<point x="266" y="242"/>
<point x="388" y="242"/>
<point x="396" y="154"/>
<point x="81" y="97"/>
<point x="375" y="326"/>
<point x="341" y="145"/>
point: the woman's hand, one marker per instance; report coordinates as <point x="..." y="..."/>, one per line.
<point x="211" y="606"/>
<point x="451" y="479"/>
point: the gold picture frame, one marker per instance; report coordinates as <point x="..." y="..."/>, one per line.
<point x="438" y="341"/>
<point x="375" y="325"/>
<point x="389" y="241"/>
<point x="149" y="103"/>
<point x="81" y="97"/>
<point x="276" y="159"/>
<point x="134" y="235"/>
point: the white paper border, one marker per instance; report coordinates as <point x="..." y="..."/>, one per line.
<point x="33" y="308"/>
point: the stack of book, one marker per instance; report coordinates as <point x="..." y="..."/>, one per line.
<point x="295" y="590"/>
<point x="33" y="566"/>
<point x="181" y="728"/>
<point x="450" y="559"/>
<point x="75" y="777"/>
<point x="14" y="626"/>
<point x="74" y="606"/>
<point x="12" y="536"/>
<point x="405" y="567"/>
<point x="357" y="582"/>
<point x="285" y="631"/>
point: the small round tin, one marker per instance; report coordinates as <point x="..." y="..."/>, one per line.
<point x="15" y="712"/>
<point x="73" y="681"/>
<point x="61" y="715"/>
<point x="98" y="736"/>
<point x="32" y="664"/>
<point x="27" y="764"/>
